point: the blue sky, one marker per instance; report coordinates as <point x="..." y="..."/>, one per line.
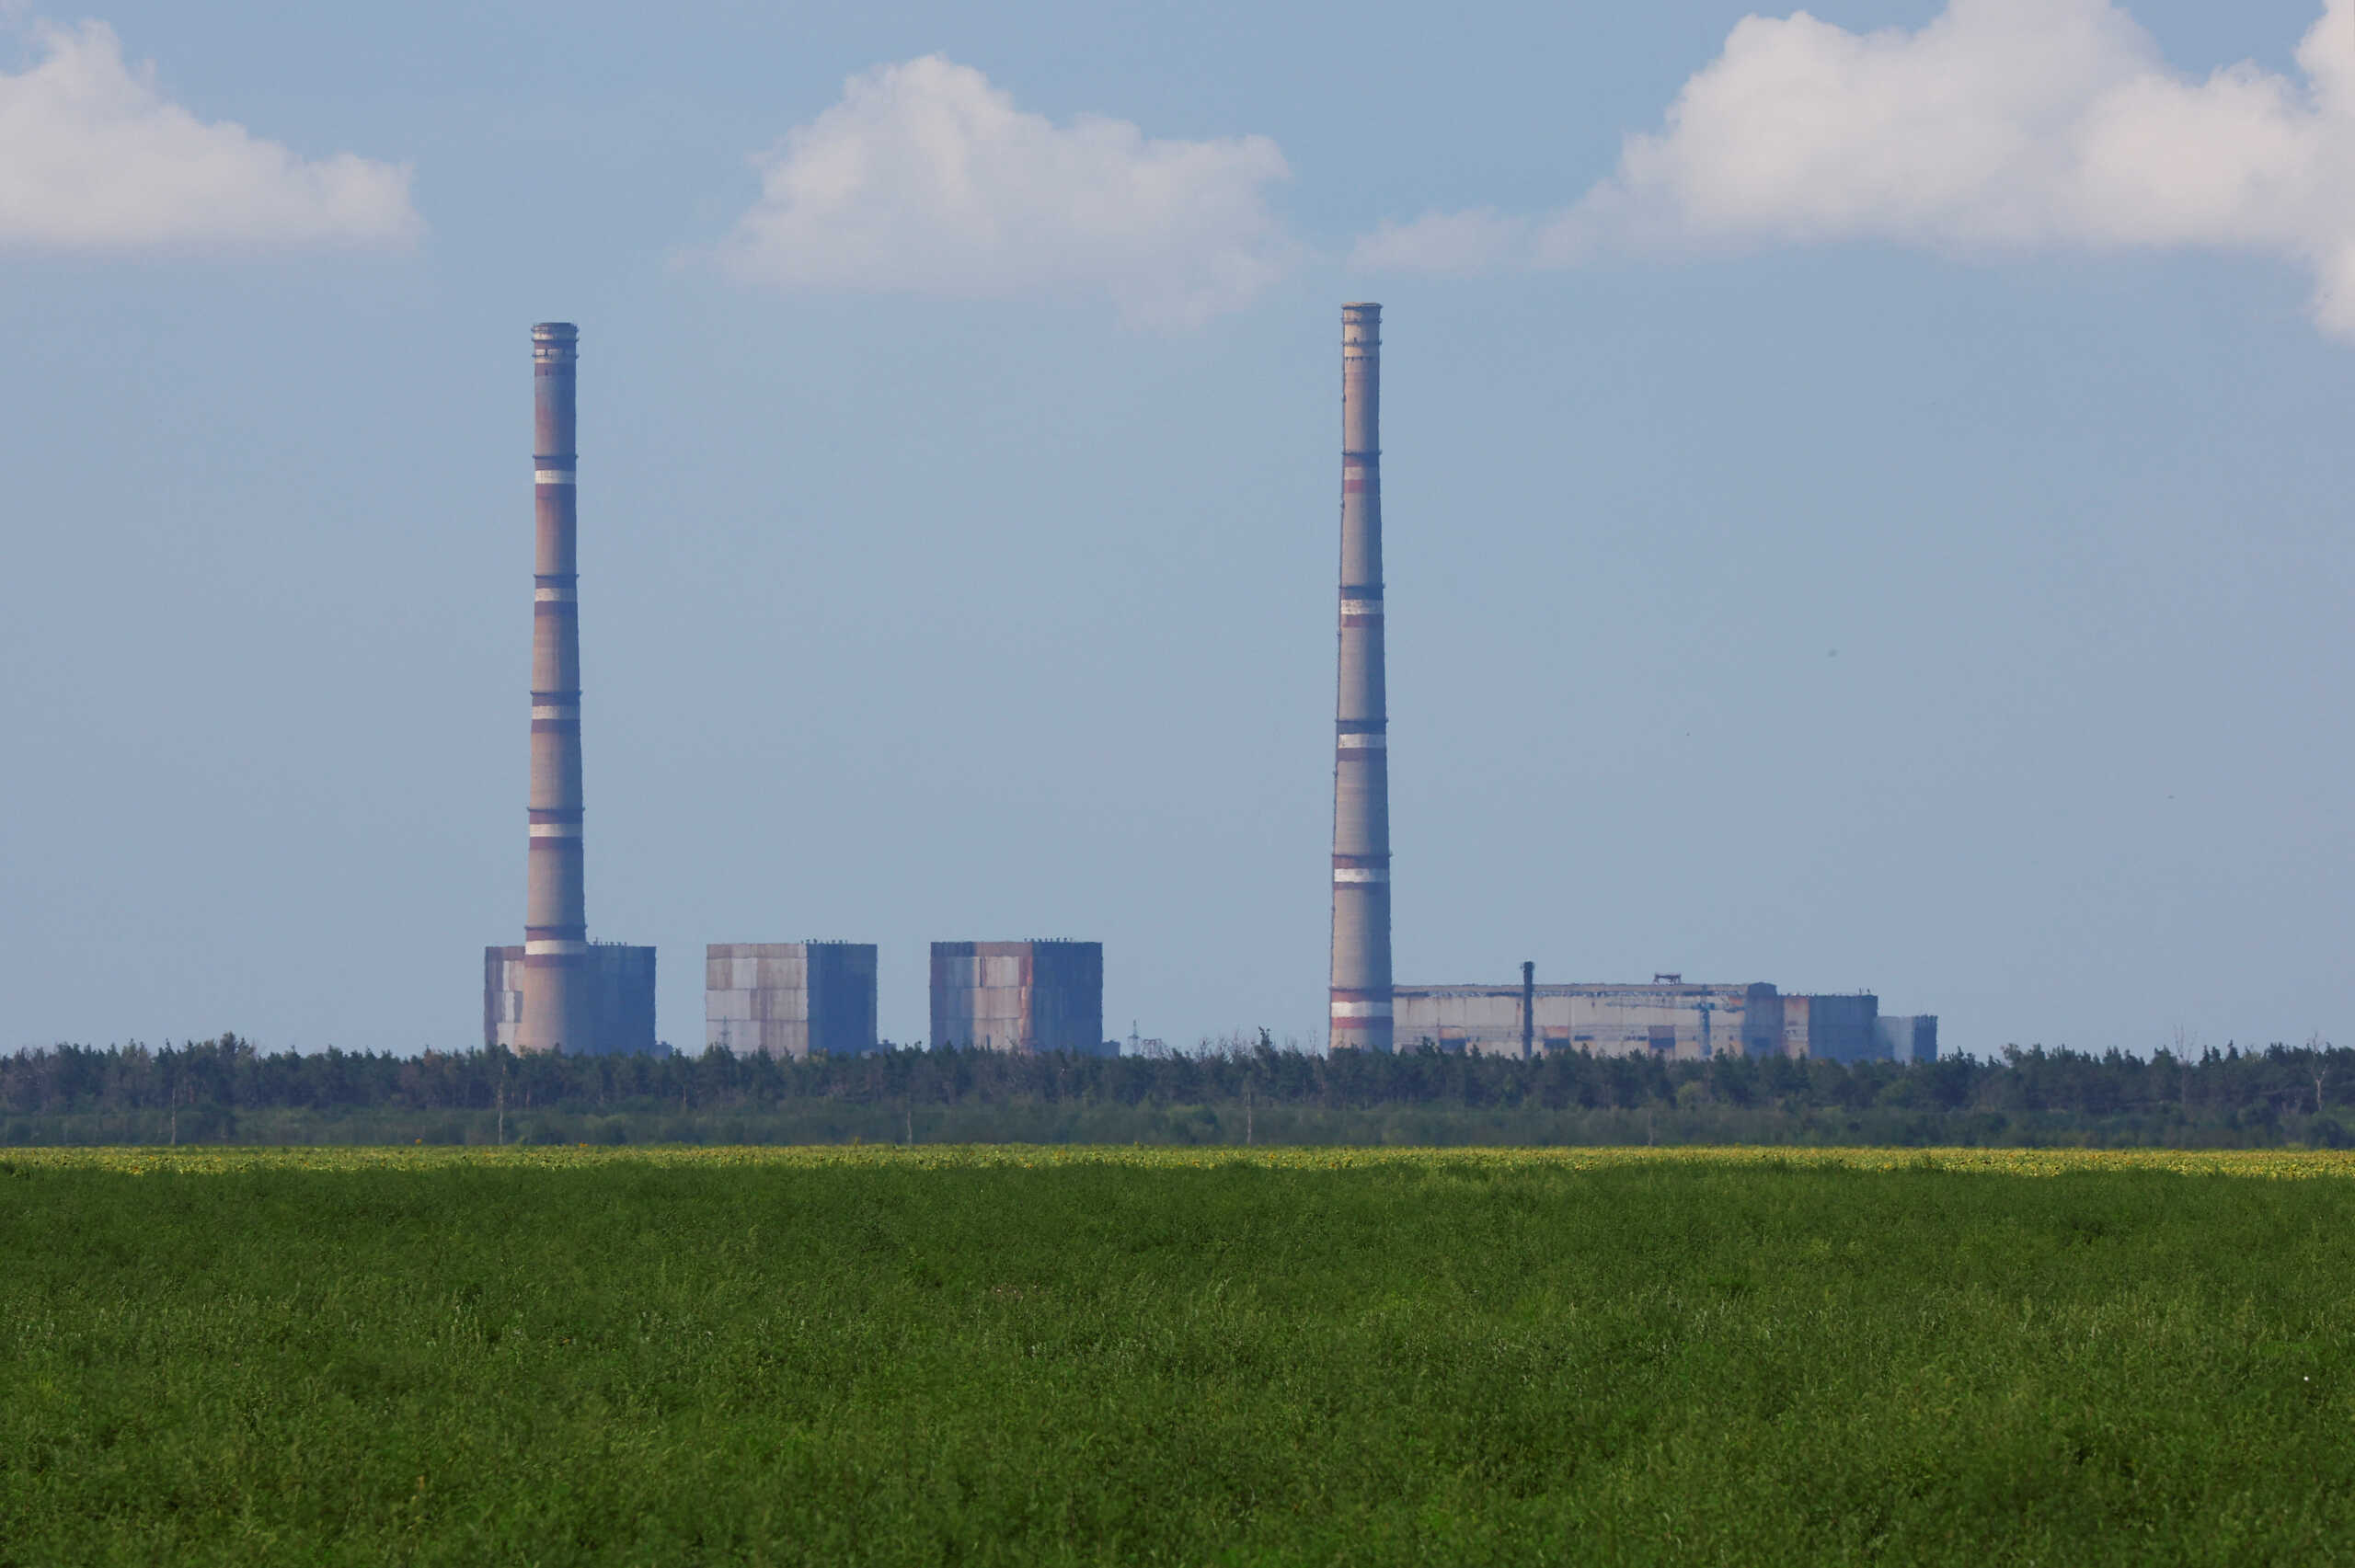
<point x="1883" y="531"/>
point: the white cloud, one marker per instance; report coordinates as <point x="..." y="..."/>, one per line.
<point x="1446" y="243"/>
<point x="2001" y="127"/>
<point x="925" y="179"/>
<point x="93" y="158"/>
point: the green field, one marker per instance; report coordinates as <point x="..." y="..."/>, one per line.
<point x="1188" y="1356"/>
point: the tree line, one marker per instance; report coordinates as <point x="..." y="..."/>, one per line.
<point x="227" y="1087"/>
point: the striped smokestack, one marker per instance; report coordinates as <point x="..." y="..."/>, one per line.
<point x="1361" y="759"/>
<point x="558" y="1003"/>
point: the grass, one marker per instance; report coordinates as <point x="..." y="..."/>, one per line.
<point x="1175" y="1356"/>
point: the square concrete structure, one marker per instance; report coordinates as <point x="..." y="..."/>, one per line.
<point x="789" y="999"/>
<point x="502" y="996"/>
<point x="1018" y="996"/>
<point x="1907" y="1038"/>
<point x="1669" y="1018"/>
<point x="620" y="993"/>
<point x="1833" y="1028"/>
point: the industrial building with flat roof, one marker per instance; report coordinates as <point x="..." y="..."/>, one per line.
<point x="1669" y="1018"/>
<point x="1019" y="996"/>
<point x="790" y="998"/>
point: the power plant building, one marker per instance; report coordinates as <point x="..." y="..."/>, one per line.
<point x="560" y="991"/>
<point x="620" y="994"/>
<point x="1369" y="1010"/>
<point x="1669" y="1018"/>
<point x="1018" y="996"/>
<point x="790" y="998"/>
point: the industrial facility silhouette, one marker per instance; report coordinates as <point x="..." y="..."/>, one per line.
<point x="560" y="991"/>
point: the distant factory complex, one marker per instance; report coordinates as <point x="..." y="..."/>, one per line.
<point x="1668" y="1018"/>
<point x="560" y="991"/>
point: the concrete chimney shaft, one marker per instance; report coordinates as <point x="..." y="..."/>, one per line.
<point x="1362" y="993"/>
<point x="557" y="995"/>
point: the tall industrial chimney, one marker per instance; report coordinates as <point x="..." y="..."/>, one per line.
<point x="1361" y="759"/>
<point x="559" y="1003"/>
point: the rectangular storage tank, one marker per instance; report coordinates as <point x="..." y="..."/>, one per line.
<point x="1018" y="996"/>
<point x="790" y="998"/>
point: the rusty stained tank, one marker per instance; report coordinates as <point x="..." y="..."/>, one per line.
<point x="790" y="998"/>
<point x="558" y="1003"/>
<point x="1018" y="996"/>
<point x="1360" y="974"/>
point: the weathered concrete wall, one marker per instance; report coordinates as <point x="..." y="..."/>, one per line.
<point x="1906" y="1037"/>
<point x="1685" y="1022"/>
<point x="789" y="999"/>
<point x="502" y="996"/>
<point x="1797" y="1014"/>
<point x="622" y="997"/>
<point x="1018" y="996"/>
<point x="1840" y="1029"/>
